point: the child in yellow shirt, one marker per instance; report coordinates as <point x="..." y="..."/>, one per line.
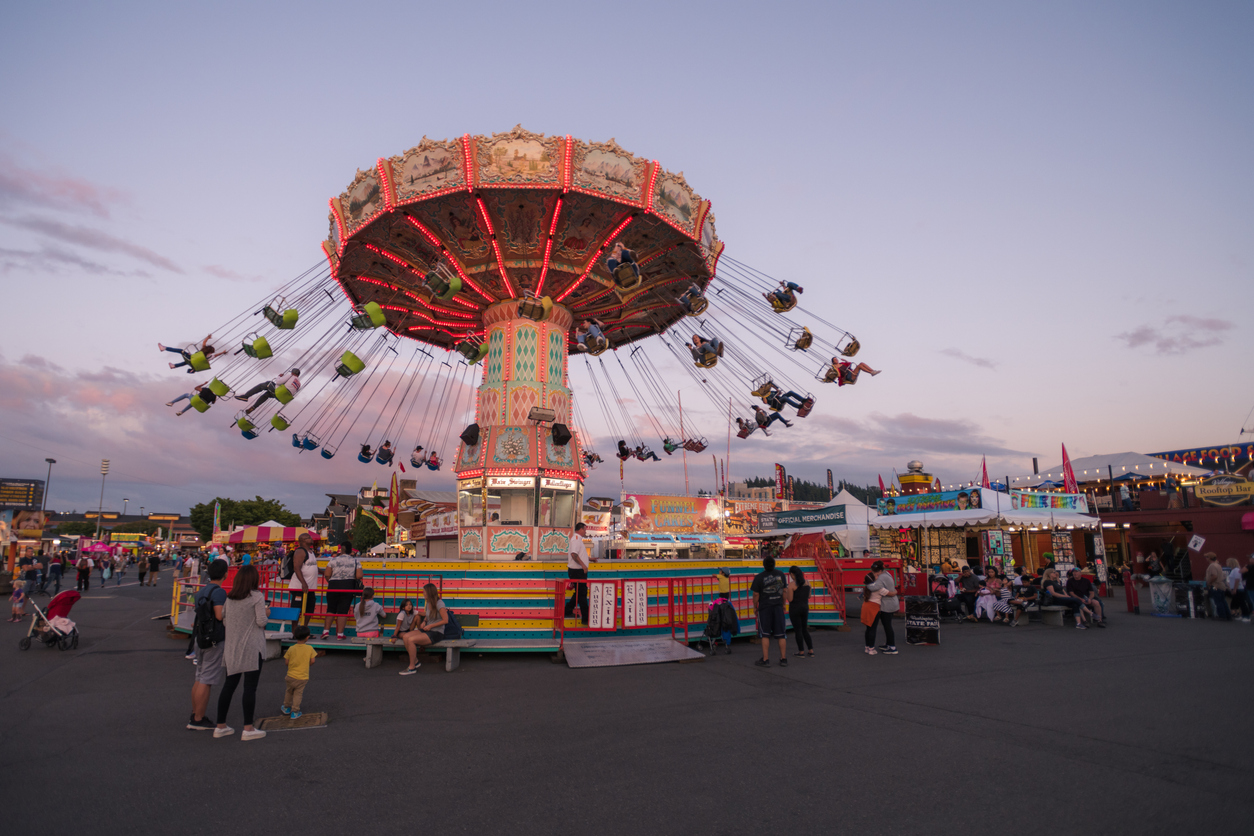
<point x="298" y="657"/>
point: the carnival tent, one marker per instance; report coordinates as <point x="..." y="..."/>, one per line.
<point x="1094" y="468"/>
<point x="269" y="534"/>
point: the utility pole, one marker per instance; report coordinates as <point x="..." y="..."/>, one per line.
<point x="124" y="501"/>
<point x="104" y="471"/>
<point x="43" y="505"/>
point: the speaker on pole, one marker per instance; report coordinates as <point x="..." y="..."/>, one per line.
<point x="470" y="435"/>
<point x="561" y="435"/>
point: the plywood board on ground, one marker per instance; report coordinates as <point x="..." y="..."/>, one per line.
<point x="608" y="653"/>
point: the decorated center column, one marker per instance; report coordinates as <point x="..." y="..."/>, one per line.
<point x="519" y="489"/>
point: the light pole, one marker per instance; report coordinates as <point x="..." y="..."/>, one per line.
<point x="104" y="471"/>
<point x="43" y="505"/>
<point x="124" y="501"/>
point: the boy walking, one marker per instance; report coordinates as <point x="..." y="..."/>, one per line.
<point x="298" y="657"/>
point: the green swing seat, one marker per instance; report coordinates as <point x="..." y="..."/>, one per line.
<point x="472" y="351"/>
<point x="283" y="394"/>
<point x="259" y="347"/>
<point x="443" y="288"/>
<point x="284" y="321"/>
<point x="349" y="365"/>
<point x="279" y="422"/>
<point x="198" y="404"/>
<point x="244" y="424"/>
<point x="219" y="388"/>
<point x="199" y="362"/>
<point x="370" y="315"/>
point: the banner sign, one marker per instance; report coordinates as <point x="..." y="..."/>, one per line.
<point x="785" y="520"/>
<point x="1226" y="489"/>
<point x="114" y="537"/>
<point x="1235" y="454"/>
<point x="597" y="522"/>
<point x="922" y="503"/>
<point x="831" y="491"/>
<point x="29" y="525"/>
<point x="1050" y="501"/>
<point x="686" y="514"/>
<point x="443" y="524"/>
<point x="779" y="481"/>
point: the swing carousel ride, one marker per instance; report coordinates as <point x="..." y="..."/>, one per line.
<point x="516" y="253"/>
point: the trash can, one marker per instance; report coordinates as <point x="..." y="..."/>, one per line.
<point x="922" y="620"/>
<point x="1161" y="597"/>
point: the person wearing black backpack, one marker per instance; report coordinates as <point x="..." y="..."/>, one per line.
<point x="209" y="636"/>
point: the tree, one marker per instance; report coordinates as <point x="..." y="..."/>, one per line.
<point x="366" y="534"/>
<point x="240" y="512"/>
<point x="139" y="527"/>
<point x="70" y="529"/>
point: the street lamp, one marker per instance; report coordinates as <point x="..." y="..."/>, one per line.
<point x="104" y="471"/>
<point x="44" y="503"/>
<point x="124" y="501"/>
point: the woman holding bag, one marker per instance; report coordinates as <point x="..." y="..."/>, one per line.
<point x="878" y="608"/>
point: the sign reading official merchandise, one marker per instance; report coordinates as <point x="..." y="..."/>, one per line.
<point x="785" y="520"/>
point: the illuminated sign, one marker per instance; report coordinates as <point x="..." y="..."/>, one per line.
<point x="558" y="484"/>
<point x="511" y="482"/>
<point x="470" y="484"/>
<point x="1224" y="490"/>
<point x="170" y="517"/>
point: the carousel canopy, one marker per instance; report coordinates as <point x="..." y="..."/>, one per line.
<point x="269" y="534"/>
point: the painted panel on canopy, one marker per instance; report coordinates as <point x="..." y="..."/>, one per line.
<point x="362" y="200"/>
<point x="511" y="447"/>
<point x="430" y="166"/>
<point x="522" y="398"/>
<point x="509" y="541"/>
<point x="585" y="221"/>
<point x="494" y="373"/>
<point x="399" y="237"/>
<point x="606" y="168"/>
<point x="519" y="157"/>
<point x="471" y="455"/>
<point x="520" y="218"/>
<point x="559" y="455"/>
<point x="455" y="221"/>
<point x="674" y="199"/>
<point x="554" y="542"/>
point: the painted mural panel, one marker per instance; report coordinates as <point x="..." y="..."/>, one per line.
<point x="457" y="225"/>
<point x="428" y="167"/>
<point x="519" y="157"/>
<point x="675" y="200"/>
<point x="584" y="222"/>
<point x="362" y="199"/>
<point x="608" y="169"/>
<point x="554" y="542"/>
<point x="510" y="447"/>
<point x="520" y="219"/>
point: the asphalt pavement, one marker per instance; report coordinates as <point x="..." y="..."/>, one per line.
<point x="1139" y="728"/>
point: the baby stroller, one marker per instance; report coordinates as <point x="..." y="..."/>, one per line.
<point x="948" y="608"/>
<point x="54" y="626"/>
<point x="723" y="619"/>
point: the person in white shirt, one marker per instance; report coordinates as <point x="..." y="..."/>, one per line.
<point x="291" y="380"/>
<point x="577" y="570"/>
<point x="303" y="586"/>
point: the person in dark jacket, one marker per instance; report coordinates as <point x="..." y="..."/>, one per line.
<point x="723" y="622"/>
<point x="799" y="611"/>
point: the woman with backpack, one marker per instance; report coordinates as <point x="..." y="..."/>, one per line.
<point x="244" y="616"/>
<point x="430" y="627"/>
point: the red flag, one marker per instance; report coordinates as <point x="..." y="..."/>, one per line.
<point x="984" y="467"/>
<point x="1068" y="475"/>
<point x="936" y="485"/>
<point x="881" y="478"/>
<point x="394" y="505"/>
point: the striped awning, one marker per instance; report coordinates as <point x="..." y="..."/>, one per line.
<point x="268" y="534"/>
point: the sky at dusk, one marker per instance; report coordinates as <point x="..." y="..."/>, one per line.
<point x="1035" y="217"/>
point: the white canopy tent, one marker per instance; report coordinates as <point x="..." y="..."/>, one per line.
<point x="1094" y="468"/>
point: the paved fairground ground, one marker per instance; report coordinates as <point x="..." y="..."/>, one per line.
<point x="1140" y="728"/>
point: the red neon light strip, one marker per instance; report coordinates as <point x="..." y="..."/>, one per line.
<point x="548" y="248"/>
<point x="648" y="205"/>
<point x="436" y="242"/>
<point x="412" y="295"/>
<point x="500" y="262"/>
<point x="466" y="163"/>
<point x="595" y="258"/>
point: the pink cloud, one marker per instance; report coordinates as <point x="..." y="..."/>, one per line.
<point x="26" y="187"/>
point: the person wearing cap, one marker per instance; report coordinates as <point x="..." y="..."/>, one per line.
<point x="267" y="389"/>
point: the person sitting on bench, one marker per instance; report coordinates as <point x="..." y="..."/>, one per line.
<point x="845" y="373"/>
<point x="1055" y="595"/>
<point x="619" y="256"/>
<point x="430" y="628"/>
<point x="764" y="420"/>
<point x="589" y="331"/>
<point x="704" y="349"/>
<point x="291" y="380"/>
<point x="690" y="300"/>
<point x="644" y="454"/>
<point x="1081" y="588"/>
<point x="785" y="296"/>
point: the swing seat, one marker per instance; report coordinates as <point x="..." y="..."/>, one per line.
<point x="695" y="445"/>
<point x="248" y="434"/>
<point x="259" y="347"/>
<point x="435" y="465"/>
<point x="783" y="307"/>
<point x="296" y="441"/>
<point x="597" y="345"/>
<point x="349" y="365"/>
<point x="279" y="422"/>
<point x="198" y="404"/>
<point x="828" y="374"/>
<point x="243" y="423"/>
<point x="762" y="386"/>
<point x="385" y="458"/>
<point x="283" y="394"/>
<point x="363" y="458"/>
<point x="309" y="442"/>
<point x="627" y="276"/>
<point x="851" y="349"/>
<point x="807" y="406"/>
<point x="744" y="432"/>
<point x="472" y="351"/>
<point x="710" y="358"/>
<point x="328" y="452"/>
<point x="369" y="315"/>
<point x="444" y="288"/>
<point x="697" y="306"/>
<point x="199" y="362"/>
<point x="536" y="309"/>
<point x="284" y="321"/>
<point x="416" y="462"/>
<point x="803" y="341"/>
<point x="219" y="388"/>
